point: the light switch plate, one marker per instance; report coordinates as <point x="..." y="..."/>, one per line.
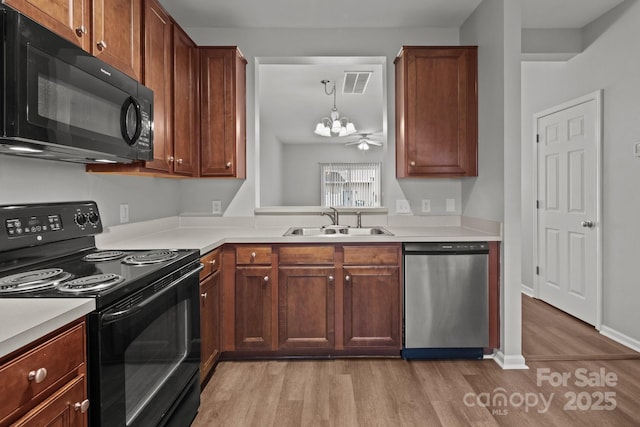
<point x="451" y="205"/>
<point x="403" y="207"/>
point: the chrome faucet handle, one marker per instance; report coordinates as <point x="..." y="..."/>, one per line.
<point x="337" y="216"/>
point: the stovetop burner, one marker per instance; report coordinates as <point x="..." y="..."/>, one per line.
<point x="151" y="257"/>
<point x="103" y="256"/>
<point x="91" y="283"/>
<point x="34" y="280"/>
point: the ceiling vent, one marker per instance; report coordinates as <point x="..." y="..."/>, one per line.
<point x="355" y="82"/>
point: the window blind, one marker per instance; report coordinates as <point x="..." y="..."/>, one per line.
<point x="350" y="184"/>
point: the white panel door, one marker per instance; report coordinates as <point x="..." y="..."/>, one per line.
<point x="567" y="209"/>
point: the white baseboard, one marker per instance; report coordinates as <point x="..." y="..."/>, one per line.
<point x="621" y="338"/>
<point x="509" y="362"/>
<point x="526" y="290"/>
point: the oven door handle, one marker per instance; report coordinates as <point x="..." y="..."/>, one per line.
<point x="110" y="317"/>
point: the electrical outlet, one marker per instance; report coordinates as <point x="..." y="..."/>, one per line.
<point x="124" y="213"/>
<point x="403" y="207"/>
<point x="216" y="207"/>
<point x="451" y="205"/>
<point x="426" y="205"/>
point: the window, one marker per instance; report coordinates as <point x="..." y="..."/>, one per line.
<point x="350" y="184"/>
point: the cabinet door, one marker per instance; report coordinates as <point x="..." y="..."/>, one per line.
<point x="116" y="34"/>
<point x="68" y="18"/>
<point x="372" y="309"/>
<point x="253" y="298"/>
<point x="158" y="77"/>
<point x="63" y="409"/>
<point x="306" y="315"/>
<point x="186" y="106"/>
<point x="437" y="118"/>
<point x="222" y="112"/>
<point x="210" y="318"/>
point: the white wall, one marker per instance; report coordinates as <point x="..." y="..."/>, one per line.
<point x="610" y="62"/>
<point x="313" y="42"/>
<point x="271" y="169"/>
<point x="24" y="180"/>
<point x="495" y="27"/>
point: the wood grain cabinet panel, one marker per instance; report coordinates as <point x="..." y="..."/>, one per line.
<point x="253" y="313"/>
<point x="372" y="307"/>
<point x="223" y="112"/>
<point x="306" y="298"/>
<point x="70" y="19"/>
<point x="436" y="112"/>
<point x="42" y="383"/>
<point x="210" y="323"/>
<point x="116" y="33"/>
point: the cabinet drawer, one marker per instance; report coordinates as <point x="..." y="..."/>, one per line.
<point x="253" y="255"/>
<point x="211" y="263"/>
<point x="60" y="357"/>
<point x="306" y="254"/>
<point x="371" y="255"/>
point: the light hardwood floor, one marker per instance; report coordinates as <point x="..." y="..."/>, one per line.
<point x="394" y="392"/>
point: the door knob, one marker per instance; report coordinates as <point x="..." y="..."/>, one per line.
<point x="587" y="224"/>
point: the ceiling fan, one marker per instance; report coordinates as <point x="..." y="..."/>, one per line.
<point x="364" y="142"/>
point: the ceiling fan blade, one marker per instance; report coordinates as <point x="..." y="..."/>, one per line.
<point x="352" y="143"/>
<point x="377" y="143"/>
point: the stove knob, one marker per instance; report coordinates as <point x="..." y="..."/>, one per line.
<point x="94" y="218"/>
<point x="81" y="219"/>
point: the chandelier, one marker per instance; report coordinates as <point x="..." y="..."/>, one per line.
<point x="334" y="125"/>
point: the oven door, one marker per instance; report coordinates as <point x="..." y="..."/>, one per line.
<point x="148" y="353"/>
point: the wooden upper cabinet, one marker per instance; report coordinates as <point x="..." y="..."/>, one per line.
<point x="158" y="70"/>
<point x="116" y="33"/>
<point x="69" y="18"/>
<point x="223" y="112"/>
<point x="436" y="112"/>
<point x="186" y="105"/>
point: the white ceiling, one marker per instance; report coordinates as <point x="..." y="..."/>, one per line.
<point x="372" y="13"/>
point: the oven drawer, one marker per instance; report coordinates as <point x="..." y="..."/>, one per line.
<point x="38" y="373"/>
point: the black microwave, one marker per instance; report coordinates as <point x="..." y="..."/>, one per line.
<point x="61" y="103"/>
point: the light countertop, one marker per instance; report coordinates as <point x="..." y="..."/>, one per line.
<point x="24" y="320"/>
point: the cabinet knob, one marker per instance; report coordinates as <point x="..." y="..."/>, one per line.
<point x="228" y="165"/>
<point x="37" y="376"/>
<point x="212" y="262"/>
<point x="170" y="159"/>
<point x="347" y="278"/>
<point x="266" y="279"/>
<point x="412" y="163"/>
<point x="253" y="254"/>
<point x="82" y="406"/>
<point x="102" y="45"/>
<point x="204" y="295"/>
<point x="179" y="161"/>
<point x="330" y="278"/>
<point x="81" y="30"/>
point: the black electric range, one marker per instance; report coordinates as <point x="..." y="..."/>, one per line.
<point x="144" y="336"/>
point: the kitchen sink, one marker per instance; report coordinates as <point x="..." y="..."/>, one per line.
<point x="337" y="230"/>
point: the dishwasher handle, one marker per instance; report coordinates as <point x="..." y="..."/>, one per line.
<point x="441" y="248"/>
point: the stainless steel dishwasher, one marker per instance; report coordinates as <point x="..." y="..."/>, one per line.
<point x="446" y="308"/>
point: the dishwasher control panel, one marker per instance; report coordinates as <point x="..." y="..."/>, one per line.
<point x="447" y="247"/>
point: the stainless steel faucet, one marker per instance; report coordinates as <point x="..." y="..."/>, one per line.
<point x="335" y="218"/>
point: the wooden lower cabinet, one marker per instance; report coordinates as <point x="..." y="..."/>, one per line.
<point x="253" y="314"/>
<point x="372" y="307"/>
<point x="306" y="300"/>
<point x="210" y="319"/>
<point x="44" y="384"/>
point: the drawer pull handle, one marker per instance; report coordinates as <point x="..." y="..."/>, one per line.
<point x="38" y="375"/>
<point x="253" y="254"/>
<point x="204" y="295"/>
<point x="82" y="406"/>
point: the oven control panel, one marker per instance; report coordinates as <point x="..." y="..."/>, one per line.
<point x="30" y="225"/>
